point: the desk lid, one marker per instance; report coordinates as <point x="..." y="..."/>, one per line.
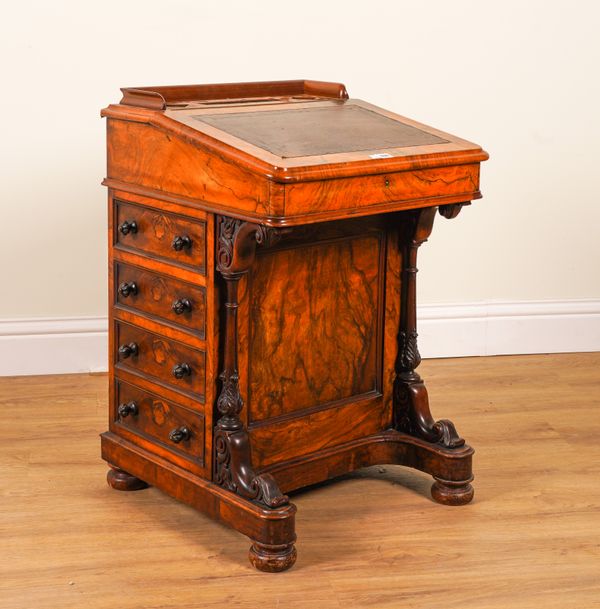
<point x="295" y="130"/>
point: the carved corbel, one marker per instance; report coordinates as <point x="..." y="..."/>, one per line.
<point x="236" y="251"/>
<point x="452" y="210"/>
<point x="411" y="402"/>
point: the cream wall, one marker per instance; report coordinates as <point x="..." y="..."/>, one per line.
<point x="520" y="78"/>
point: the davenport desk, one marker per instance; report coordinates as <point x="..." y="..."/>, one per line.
<point x="263" y="244"/>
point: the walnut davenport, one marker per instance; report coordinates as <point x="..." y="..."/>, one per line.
<point x="263" y="263"/>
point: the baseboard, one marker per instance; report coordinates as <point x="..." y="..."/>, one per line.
<point x="53" y="346"/>
<point x="70" y="345"/>
<point x="509" y="328"/>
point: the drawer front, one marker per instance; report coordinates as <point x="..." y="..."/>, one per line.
<point x="151" y="416"/>
<point x="165" y="235"/>
<point x="178" y="302"/>
<point x="162" y="359"/>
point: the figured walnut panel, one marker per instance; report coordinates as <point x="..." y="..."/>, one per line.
<point x="353" y="193"/>
<point x="318" y="131"/>
<point x="166" y="162"/>
<point x="315" y="325"/>
<point x="156" y="358"/>
<point x="156" y="295"/>
<point x="155" y="419"/>
<point x="393" y="285"/>
<point x="289" y="439"/>
<point x="155" y="232"/>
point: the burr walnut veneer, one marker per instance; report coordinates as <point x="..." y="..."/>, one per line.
<point x="263" y="243"/>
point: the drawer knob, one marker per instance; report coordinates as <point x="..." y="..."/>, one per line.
<point x="129" y="227"/>
<point x="181" y="370"/>
<point x="181" y="243"/>
<point x="126" y="351"/>
<point x="125" y="410"/>
<point x="127" y="288"/>
<point x="179" y="434"/>
<point x="181" y="305"/>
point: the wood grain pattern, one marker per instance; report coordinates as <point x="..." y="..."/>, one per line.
<point x="392" y="311"/>
<point x="155" y="231"/>
<point x="172" y="270"/>
<point x="157" y="357"/>
<point x="315" y="328"/>
<point x="156" y="295"/>
<point x="370" y="539"/>
<point x="155" y="419"/>
<point x="202" y="161"/>
<point x="316" y="431"/>
<point x="161" y="97"/>
<point x="168" y="163"/>
<point x="460" y="181"/>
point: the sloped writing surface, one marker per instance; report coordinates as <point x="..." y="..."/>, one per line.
<point x="319" y="131"/>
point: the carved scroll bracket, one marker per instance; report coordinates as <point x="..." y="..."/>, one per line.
<point x="233" y="470"/>
<point x="452" y="210"/>
<point x="236" y="251"/>
<point x="237" y="242"/>
<point x="411" y="402"/>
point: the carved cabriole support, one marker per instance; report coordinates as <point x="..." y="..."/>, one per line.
<point x="236" y="249"/>
<point x="411" y="402"/>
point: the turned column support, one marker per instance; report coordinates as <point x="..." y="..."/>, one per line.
<point x="411" y="402"/>
<point x="236" y="250"/>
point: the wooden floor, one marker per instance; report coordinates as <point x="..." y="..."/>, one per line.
<point x="531" y="538"/>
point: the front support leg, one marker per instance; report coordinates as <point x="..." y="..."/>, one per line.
<point x="233" y="469"/>
<point x="412" y="415"/>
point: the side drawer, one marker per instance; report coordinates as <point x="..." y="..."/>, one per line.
<point x="167" y="361"/>
<point x="165" y="235"/>
<point x="175" y="301"/>
<point x="150" y="416"/>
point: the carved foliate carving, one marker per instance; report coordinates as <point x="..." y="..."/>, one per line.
<point x="268" y="236"/>
<point x="228" y="227"/>
<point x="237" y="242"/>
<point x="408" y="352"/>
<point x="230" y="401"/>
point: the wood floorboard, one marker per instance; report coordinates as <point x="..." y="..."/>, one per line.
<point x="530" y="539"/>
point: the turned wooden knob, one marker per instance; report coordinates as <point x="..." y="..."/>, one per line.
<point x="181" y="305"/>
<point x="125" y="410"/>
<point x="127" y="288"/>
<point x="129" y="227"/>
<point x="181" y="242"/>
<point x="181" y="370"/>
<point x="179" y="434"/>
<point x="128" y="350"/>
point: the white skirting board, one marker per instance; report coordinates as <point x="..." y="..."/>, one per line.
<point x="70" y="345"/>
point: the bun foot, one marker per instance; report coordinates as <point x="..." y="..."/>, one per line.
<point x="449" y="492"/>
<point x="272" y="558"/>
<point x="122" y="481"/>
